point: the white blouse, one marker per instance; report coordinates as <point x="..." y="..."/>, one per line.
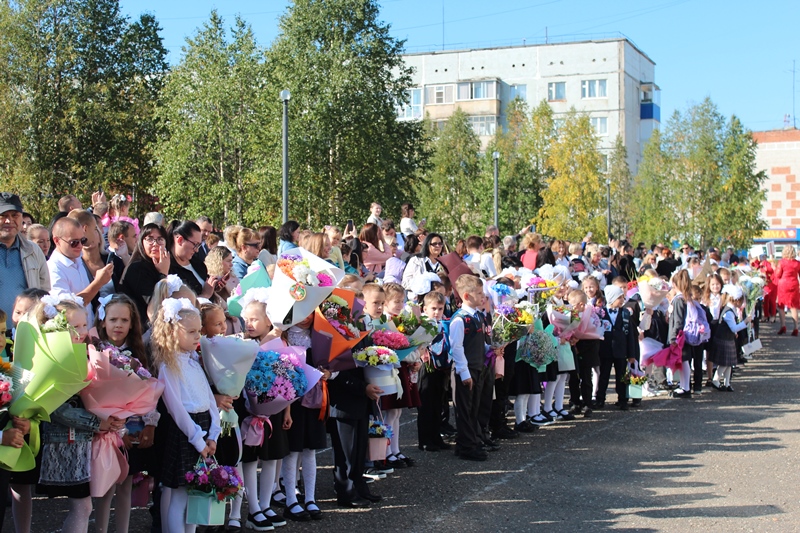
<point x="188" y="392"/>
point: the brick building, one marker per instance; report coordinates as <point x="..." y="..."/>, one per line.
<point x="779" y="156"/>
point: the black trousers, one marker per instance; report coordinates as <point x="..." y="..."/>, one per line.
<point x="619" y="365"/>
<point x="431" y="394"/>
<point x="470" y="409"/>
<point x="349" y="442"/>
<point x="584" y="378"/>
<point x="695" y="357"/>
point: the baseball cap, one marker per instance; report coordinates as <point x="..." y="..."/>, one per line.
<point x="9" y="202"/>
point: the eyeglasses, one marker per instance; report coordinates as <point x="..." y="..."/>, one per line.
<point x="76" y="243"/>
<point x="439" y="243"/>
<point x="159" y="240"/>
<point x="194" y="244"/>
<point x="253" y="244"/>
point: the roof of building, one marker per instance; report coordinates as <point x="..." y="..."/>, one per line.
<point x="621" y="37"/>
<point x="777" y="136"/>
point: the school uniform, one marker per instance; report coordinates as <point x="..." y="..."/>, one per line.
<point x="432" y="383"/>
<point x="620" y="344"/>
<point x="469" y="342"/>
<point x="690" y="354"/>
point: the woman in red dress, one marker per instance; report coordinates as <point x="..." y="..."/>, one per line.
<point x="788" y="278"/>
<point x="770" y="288"/>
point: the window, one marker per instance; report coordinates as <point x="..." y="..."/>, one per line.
<point x="557" y="91"/>
<point x="558" y="123"/>
<point x="439" y="94"/>
<point x="477" y="90"/>
<point x="603" y="162"/>
<point x="600" y="125"/>
<point x="484" y="125"/>
<point x="593" y="89"/>
<point x="412" y="109"/>
<point x="519" y="90"/>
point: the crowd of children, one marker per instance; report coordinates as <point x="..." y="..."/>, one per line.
<point x="688" y="341"/>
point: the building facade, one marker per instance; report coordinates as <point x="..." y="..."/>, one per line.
<point x="778" y="155"/>
<point x="611" y="80"/>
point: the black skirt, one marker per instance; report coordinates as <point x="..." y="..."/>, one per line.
<point x="526" y="380"/>
<point x="179" y="455"/>
<point x="275" y="446"/>
<point x="228" y="451"/>
<point x="307" y="431"/>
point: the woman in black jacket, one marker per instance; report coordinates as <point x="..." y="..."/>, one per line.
<point x="149" y="264"/>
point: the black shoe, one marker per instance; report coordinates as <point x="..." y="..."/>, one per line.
<point x="623" y="406"/>
<point x="429" y="448"/>
<point x="443" y="445"/>
<point x="599" y="405"/>
<point x="490" y="446"/>
<point x="357" y="503"/>
<point x="296" y="513"/>
<point x="637" y="403"/>
<point x="504" y="433"/>
<point x="526" y="427"/>
<point x="566" y="415"/>
<point x="374" y="498"/>
<point x="587" y="413"/>
<point x="276" y="520"/>
<point x="683" y="394"/>
<point x="727" y="389"/>
<point x="541" y="420"/>
<point x="231" y="527"/>
<point x="473" y="455"/>
<point x="315" y="513"/>
<point x="407" y="460"/>
<point x="259" y="524"/>
<point x="576" y="410"/>
<point x="394" y="462"/>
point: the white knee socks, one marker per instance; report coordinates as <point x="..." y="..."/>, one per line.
<point x="177" y="512"/>
<point x="289" y="473"/>
<point x="521" y="408"/>
<point x="391" y="417"/>
<point x="250" y="471"/>
<point x="561" y="385"/>
<point x="269" y="470"/>
<point x="309" y="461"/>
<point x="686" y="375"/>
<point x="534" y="405"/>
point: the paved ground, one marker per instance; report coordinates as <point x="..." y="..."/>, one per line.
<point x="719" y="462"/>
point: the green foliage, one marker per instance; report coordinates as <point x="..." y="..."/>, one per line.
<point x="619" y="174"/>
<point x="698" y="182"/>
<point x="216" y="154"/>
<point x="573" y="201"/>
<point x="346" y="77"/>
<point x="455" y="195"/>
<point x="76" y="93"/>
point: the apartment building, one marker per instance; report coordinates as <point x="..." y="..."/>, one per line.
<point x="611" y="80"/>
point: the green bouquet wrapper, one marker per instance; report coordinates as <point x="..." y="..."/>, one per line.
<point x="60" y="370"/>
<point x="257" y="278"/>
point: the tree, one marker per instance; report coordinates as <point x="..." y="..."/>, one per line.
<point x="653" y="198"/>
<point x="572" y="201"/>
<point x="346" y="77"/>
<point x="519" y="180"/>
<point x="454" y="193"/>
<point x="619" y="174"/>
<point x="213" y="158"/>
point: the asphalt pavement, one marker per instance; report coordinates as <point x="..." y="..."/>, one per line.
<point x="717" y="462"/>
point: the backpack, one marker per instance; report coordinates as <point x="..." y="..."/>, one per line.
<point x="439" y="349"/>
<point x="696" y="329"/>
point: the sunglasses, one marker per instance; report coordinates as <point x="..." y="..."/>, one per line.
<point x="253" y="244"/>
<point x="76" y="243"/>
<point x="436" y="244"/>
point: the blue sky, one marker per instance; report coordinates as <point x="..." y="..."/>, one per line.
<point x="739" y="53"/>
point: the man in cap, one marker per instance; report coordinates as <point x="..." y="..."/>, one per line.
<point x="22" y="263"/>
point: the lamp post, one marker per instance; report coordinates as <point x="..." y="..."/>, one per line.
<point x="285" y="96"/>
<point x="608" y="205"/>
<point x="496" y="157"/>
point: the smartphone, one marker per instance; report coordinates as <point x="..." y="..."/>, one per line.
<point x="100" y="189"/>
<point x="350" y="226"/>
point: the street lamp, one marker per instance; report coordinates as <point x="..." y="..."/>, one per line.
<point x="285" y="96"/>
<point x="496" y="157"/>
<point x="608" y="205"/>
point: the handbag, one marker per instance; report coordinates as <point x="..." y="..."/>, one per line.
<point x="752" y="346"/>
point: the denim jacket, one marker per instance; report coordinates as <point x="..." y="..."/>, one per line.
<point x="70" y="415"/>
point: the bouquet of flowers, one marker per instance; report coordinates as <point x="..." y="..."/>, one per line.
<point x="302" y="282"/>
<point x="57" y="369"/>
<point x="394" y="340"/>
<point x="591" y="325"/>
<point x="652" y="290"/>
<point x="221" y="482"/>
<point x="227" y="361"/>
<point x="6" y="384"/>
<point x="537" y="349"/>
<point x="257" y="277"/>
<point x="277" y="378"/>
<point x="336" y="330"/>
<point x="121" y="387"/>
<point x="539" y="290"/>
<point x="500" y="293"/>
<point x="380" y="368"/>
<point x="753" y="289"/>
<point x="564" y="319"/>
<point x="379" y="430"/>
<point x="632" y="379"/>
<point x="418" y="328"/>
<point x="511" y="323"/>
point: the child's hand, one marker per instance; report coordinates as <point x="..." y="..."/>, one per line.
<point x="13" y="437"/>
<point x="112" y="423"/>
<point x="287" y="420"/>
<point x="128" y="440"/>
<point x="467" y="383"/>
<point x="748" y="319"/>
<point x="373" y="392"/>
<point x="22" y="424"/>
<point x="211" y="446"/>
<point x="205" y="452"/>
<point x="147" y="436"/>
<point x="224" y="402"/>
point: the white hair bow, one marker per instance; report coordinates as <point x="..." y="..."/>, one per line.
<point x="101" y="311"/>
<point x="172" y="308"/>
<point x="256" y="294"/>
<point x="422" y="284"/>
<point x="734" y="291"/>
<point x="50" y="302"/>
<point x="174" y="284"/>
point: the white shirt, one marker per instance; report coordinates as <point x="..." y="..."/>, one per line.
<point x="372" y="219"/>
<point x="730" y="320"/>
<point x="188" y="392"/>
<point x="68" y="276"/>
<point x="457" y="343"/>
<point x="408" y="226"/>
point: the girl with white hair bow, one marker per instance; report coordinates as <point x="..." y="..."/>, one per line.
<point x="722" y="348"/>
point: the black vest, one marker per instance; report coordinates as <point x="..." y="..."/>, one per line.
<point x="475" y="340"/>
